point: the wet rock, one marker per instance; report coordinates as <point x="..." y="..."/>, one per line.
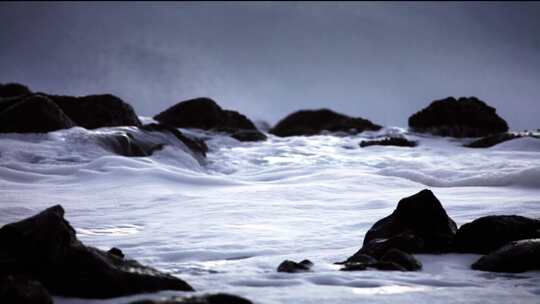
<point x="389" y="266"/>
<point x="359" y="258"/>
<point x="248" y="135"/>
<point x="196" y="145"/>
<point x="464" y="117"/>
<point x="389" y="141"/>
<point x="355" y="267"/>
<point x="116" y="252"/>
<point x="406" y="241"/>
<point x="97" y="111"/>
<point x="22" y="290"/>
<point x="517" y="256"/>
<point x="33" y="114"/>
<point x="489" y="233"/>
<point x="13" y="90"/>
<point x="219" y="298"/>
<point x="46" y="248"/>
<point x="422" y="216"/>
<point x="125" y="144"/>
<point x="204" y="113"/>
<point x="402" y="259"/>
<point x="313" y="122"/>
<point x="492" y="140"/>
<point x="291" y="266"/>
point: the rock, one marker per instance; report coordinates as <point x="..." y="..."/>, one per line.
<point x="389" y="141"/>
<point x="355" y="267"/>
<point x="13" y="90"/>
<point x="492" y="140"/>
<point x="116" y="252"/>
<point x="313" y="122"/>
<point x="489" y="233"/>
<point x="46" y="248"/>
<point x="406" y="241"/>
<point x="422" y="216"/>
<point x="33" y="114"/>
<point x="248" y="135"/>
<point x="389" y="266"/>
<point x="196" y="145"/>
<point x="464" y="117"/>
<point x="22" y="290"/>
<point x="204" y="113"/>
<point x="97" y="111"/>
<point x="291" y="266"/>
<point x="359" y="258"/>
<point x="125" y="144"/>
<point x="402" y="259"/>
<point x="517" y="256"/>
<point x="219" y="298"/>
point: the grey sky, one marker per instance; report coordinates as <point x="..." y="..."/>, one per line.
<point x="381" y="61"/>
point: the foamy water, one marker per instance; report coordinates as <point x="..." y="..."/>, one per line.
<point x="224" y="224"/>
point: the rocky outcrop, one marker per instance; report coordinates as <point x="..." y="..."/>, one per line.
<point x="33" y="114"/>
<point x="291" y="266"/>
<point x="22" y="290"/>
<point x="489" y="233"/>
<point x="393" y="259"/>
<point x="518" y="256"/>
<point x="492" y="140"/>
<point x="45" y="248"/>
<point x="463" y="117"/>
<point x="204" y="113"/>
<point x="313" y="122"/>
<point x="389" y="141"/>
<point x="13" y="90"/>
<point x="219" y="298"/>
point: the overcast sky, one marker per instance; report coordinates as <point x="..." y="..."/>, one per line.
<point x="381" y="61"/>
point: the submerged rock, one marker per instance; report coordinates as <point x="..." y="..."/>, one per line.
<point x="196" y="145"/>
<point x="464" y="117"/>
<point x="219" y="298"/>
<point x="313" y="122"/>
<point x="492" y="140"/>
<point x="22" y="290"/>
<point x="402" y="259"/>
<point x="46" y="248"/>
<point x="125" y="144"/>
<point x="389" y="141"/>
<point x="291" y="266"/>
<point x="518" y="256"/>
<point x="423" y="217"/>
<point x="33" y="114"/>
<point x="489" y="233"/>
<point x="204" y="113"/>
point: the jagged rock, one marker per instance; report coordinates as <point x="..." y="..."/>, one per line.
<point x="13" y="90"/>
<point x="219" y="298"/>
<point x="97" y="111"/>
<point x="489" y="233"/>
<point x="22" y="290"/>
<point x="291" y="266"/>
<point x="492" y="140"/>
<point x="402" y="259"/>
<point x="45" y="247"/>
<point x="389" y="141"/>
<point x="517" y="256"/>
<point x="313" y="122"/>
<point x="464" y="117"/>
<point x="33" y="114"/>
<point x="204" y="113"/>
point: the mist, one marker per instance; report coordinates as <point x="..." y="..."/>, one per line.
<point x="381" y="61"/>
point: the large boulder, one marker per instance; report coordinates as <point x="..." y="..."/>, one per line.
<point x="463" y="117"/>
<point x="489" y="233"/>
<point x="517" y="256"/>
<point x="97" y="111"/>
<point x="22" y="290"/>
<point x="45" y="248"/>
<point x="33" y="114"/>
<point x="204" y="113"/>
<point x="313" y="122"/>
<point x="13" y="90"/>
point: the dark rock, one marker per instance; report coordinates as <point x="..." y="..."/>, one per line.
<point x="406" y="241"/>
<point x="97" y="111"/>
<point x="389" y="141"/>
<point x="355" y="267"/>
<point x="194" y="144"/>
<point x="248" y="135"/>
<point x="421" y="215"/>
<point x="33" y="114"/>
<point x="116" y="252"/>
<point x="517" y="256"/>
<point x="219" y="298"/>
<point x="492" y="140"/>
<point x="291" y="266"/>
<point x="22" y="290"/>
<point x="204" y="113"/>
<point x="465" y="117"/>
<point x="389" y="266"/>
<point x="125" y="144"/>
<point x="13" y="90"/>
<point x="358" y="258"/>
<point x="403" y="259"/>
<point x="46" y="248"/>
<point x="489" y="233"/>
<point x="313" y="122"/>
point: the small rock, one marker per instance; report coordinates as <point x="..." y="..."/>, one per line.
<point x="389" y="141"/>
<point x="517" y="256"/>
<point x="492" y="140"/>
<point x="291" y="266"/>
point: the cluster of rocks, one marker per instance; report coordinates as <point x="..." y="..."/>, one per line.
<point x="398" y="141"/>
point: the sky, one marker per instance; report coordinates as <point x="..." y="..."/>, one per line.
<point x="382" y="61"/>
